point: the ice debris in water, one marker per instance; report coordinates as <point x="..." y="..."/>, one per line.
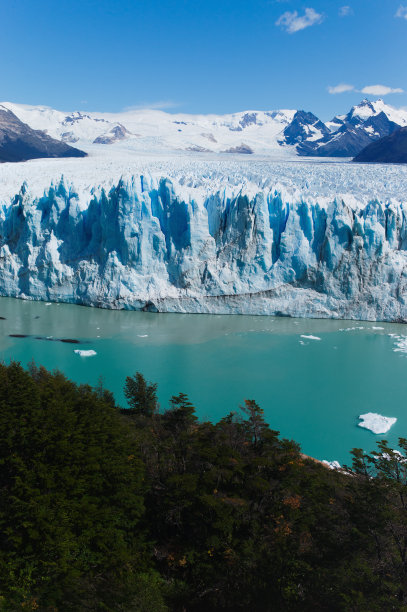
<point x="310" y="337"/>
<point x="376" y="328"/>
<point x="401" y="345"/>
<point x="84" y="353"/>
<point x="377" y="423"/>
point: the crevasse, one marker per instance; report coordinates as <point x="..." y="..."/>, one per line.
<point x="145" y="245"/>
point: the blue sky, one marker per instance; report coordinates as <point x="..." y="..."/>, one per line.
<point x="202" y="56"/>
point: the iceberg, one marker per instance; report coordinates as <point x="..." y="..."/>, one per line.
<point x="377" y="423"/>
<point x="85" y="353"/>
<point x="269" y="239"/>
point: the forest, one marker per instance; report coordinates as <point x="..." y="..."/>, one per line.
<point x="145" y="508"/>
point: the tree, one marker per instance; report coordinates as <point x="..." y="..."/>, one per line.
<point x="141" y="395"/>
<point x="71" y="495"/>
<point x="181" y="414"/>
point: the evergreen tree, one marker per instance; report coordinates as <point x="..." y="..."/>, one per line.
<point x="141" y="395"/>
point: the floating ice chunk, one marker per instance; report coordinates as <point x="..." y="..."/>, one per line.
<point x="83" y="353"/>
<point x="333" y="465"/>
<point x="377" y="423"/>
<point x="373" y="327"/>
<point x="48" y="303"/>
<point x="310" y="337"/>
<point x="142" y="335"/>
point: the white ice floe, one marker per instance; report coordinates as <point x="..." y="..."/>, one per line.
<point x="48" y="304"/>
<point x="83" y="353"/>
<point x="142" y="335"/>
<point x="376" y="328"/>
<point x="377" y="423"/>
<point x="310" y="337"/>
<point x="333" y="465"/>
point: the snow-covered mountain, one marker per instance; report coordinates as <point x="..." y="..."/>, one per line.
<point x="156" y="131"/>
<point x="349" y="134"/>
<point x="279" y="134"/>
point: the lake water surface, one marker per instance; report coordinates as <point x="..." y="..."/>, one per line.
<point x="311" y="390"/>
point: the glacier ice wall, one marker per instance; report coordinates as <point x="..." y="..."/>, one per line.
<point x="145" y="244"/>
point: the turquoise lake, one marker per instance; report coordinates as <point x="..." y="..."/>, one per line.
<point x="311" y="390"/>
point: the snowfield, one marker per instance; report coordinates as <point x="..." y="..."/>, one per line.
<point x="196" y="233"/>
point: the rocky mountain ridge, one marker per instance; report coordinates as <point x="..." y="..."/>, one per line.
<point x="282" y="133"/>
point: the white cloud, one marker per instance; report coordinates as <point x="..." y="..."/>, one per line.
<point x="341" y="88"/>
<point x="380" y="90"/>
<point x="401" y="12"/>
<point x="291" y="21"/>
<point x="161" y="105"/>
<point x="344" y="11"/>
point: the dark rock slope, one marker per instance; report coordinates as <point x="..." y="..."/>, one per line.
<point x="389" y="150"/>
<point x="19" y="142"/>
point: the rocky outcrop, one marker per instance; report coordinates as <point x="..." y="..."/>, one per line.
<point x="389" y="150"/>
<point x="19" y="142"/>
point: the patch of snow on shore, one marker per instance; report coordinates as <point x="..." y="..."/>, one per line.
<point x="333" y="465"/>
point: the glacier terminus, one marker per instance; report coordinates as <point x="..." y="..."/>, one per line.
<point x="182" y="234"/>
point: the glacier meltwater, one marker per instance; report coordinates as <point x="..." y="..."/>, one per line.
<point x="263" y="238"/>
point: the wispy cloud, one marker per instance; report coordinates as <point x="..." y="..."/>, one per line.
<point x="160" y="105"/>
<point x="380" y="90"/>
<point x="372" y="90"/>
<point x="291" y="21"/>
<point x="401" y="12"/>
<point x="345" y="11"/>
<point x="341" y="88"/>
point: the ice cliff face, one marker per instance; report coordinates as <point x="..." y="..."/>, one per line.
<point x="149" y="244"/>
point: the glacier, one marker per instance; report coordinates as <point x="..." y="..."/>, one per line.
<point x="260" y="238"/>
